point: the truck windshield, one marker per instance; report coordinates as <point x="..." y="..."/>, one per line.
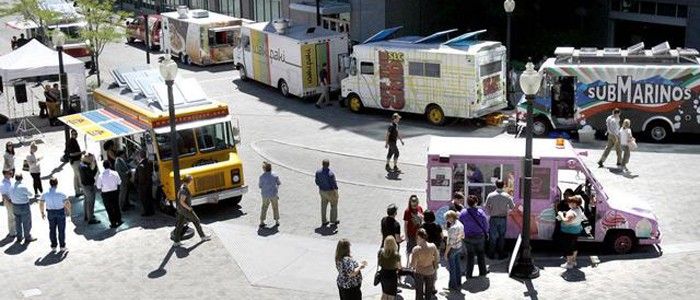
<point x="214" y="137"/>
<point x="185" y="143"/>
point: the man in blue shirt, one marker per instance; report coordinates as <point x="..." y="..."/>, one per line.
<point x="269" y="184"/>
<point x="58" y="208"/>
<point x="328" y="188"/>
<point x="6" y="191"/>
<point x="23" y="215"/>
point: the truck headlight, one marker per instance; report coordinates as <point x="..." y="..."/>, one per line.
<point x="236" y="176"/>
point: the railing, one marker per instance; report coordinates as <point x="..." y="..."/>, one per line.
<point x="334" y="24"/>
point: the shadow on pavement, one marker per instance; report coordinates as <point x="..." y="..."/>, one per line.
<point x="51" y="258"/>
<point x="573" y="275"/>
<point x="160" y="271"/>
<point x="477" y="284"/>
<point x="223" y="211"/>
<point x="7" y="240"/>
<point x="268" y="231"/>
<point x="326" y="231"/>
<point x="41" y="124"/>
<point x="182" y="252"/>
<point x="16" y="248"/>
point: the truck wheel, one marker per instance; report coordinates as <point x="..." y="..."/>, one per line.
<point x="540" y="127"/>
<point x="154" y="47"/>
<point x="355" y="103"/>
<point x="165" y="205"/>
<point x="189" y="59"/>
<point x="658" y="131"/>
<point x="621" y="242"/>
<point x="435" y="115"/>
<point x="284" y="88"/>
<point x="241" y="73"/>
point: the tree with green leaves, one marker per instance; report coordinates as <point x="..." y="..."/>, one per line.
<point x="31" y="10"/>
<point x="102" y="27"/>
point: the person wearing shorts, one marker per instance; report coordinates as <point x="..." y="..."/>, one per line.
<point x="392" y="136"/>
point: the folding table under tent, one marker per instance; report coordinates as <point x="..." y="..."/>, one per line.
<point x="35" y="59"/>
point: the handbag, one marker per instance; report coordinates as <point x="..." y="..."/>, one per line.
<point x="632" y="144"/>
<point x="486" y="235"/>
<point x="25" y="166"/>
<point x="377" y="274"/>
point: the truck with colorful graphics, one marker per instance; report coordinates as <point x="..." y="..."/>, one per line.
<point x="658" y="89"/>
<point x="290" y="56"/>
<point x="433" y="75"/>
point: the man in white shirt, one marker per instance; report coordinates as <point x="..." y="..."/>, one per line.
<point x="613" y="125"/>
<point x="108" y="182"/>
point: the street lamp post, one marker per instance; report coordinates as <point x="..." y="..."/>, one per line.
<point x="508" y="6"/>
<point x="59" y="38"/>
<point x="168" y="69"/>
<point x="524" y="267"/>
<point x="318" y="13"/>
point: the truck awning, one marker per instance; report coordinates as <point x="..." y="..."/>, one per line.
<point x="21" y="25"/>
<point x="101" y="125"/>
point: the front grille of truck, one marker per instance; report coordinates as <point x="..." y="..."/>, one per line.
<point x="209" y="182"/>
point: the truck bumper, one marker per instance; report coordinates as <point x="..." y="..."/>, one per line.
<point x="215" y="197"/>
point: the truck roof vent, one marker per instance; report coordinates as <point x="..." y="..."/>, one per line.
<point x="588" y="51"/>
<point x="637" y="48"/>
<point x="281" y="25"/>
<point x="612" y="51"/>
<point x="182" y="12"/>
<point x="200" y="13"/>
<point x="662" y="48"/>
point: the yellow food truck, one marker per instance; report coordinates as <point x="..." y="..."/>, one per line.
<point x="133" y="114"/>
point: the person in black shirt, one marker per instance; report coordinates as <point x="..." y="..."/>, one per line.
<point x="390" y="226"/>
<point x="457" y="202"/>
<point x="433" y="230"/>
<point x="392" y="135"/>
<point x="144" y="182"/>
<point x="21" y="41"/>
<point x="88" y="171"/>
<point x="74" y="153"/>
<point x="324" y="99"/>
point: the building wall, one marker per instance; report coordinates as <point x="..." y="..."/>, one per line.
<point x="367" y="18"/>
<point x="692" y="32"/>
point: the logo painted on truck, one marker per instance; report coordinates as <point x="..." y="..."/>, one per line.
<point x="655" y="90"/>
<point x="259" y="44"/>
<point x="391" y="77"/>
<point x="312" y="58"/>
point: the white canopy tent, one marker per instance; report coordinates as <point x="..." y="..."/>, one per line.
<point x="35" y="59"/>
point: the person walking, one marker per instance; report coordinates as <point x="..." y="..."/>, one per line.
<point x="389" y="262"/>
<point x="144" y="182"/>
<point x="498" y="203"/>
<point x="88" y="170"/>
<point x="453" y="250"/>
<point x="269" y="184"/>
<point x="324" y="99"/>
<point x="23" y="215"/>
<point x="476" y="227"/>
<point x="328" y="189"/>
<point x="424" y="260"/>
<point x="9" y="158"/>
<point x="108" y="183"/>
<point x="186" y="212"/>
<point x="124" y="171"/>
<point x="35" y="168"/>
<point x="6" y="191"/>
<point x="612" y="123"/>
<point x="349" y="278"/>
<point x="392" y="136"/>
<point x="413" y="219"/>
<point x="74" y="158"/>
<point x="570" y="229"/>
<point x="626" y="139"/>
<point x="57" y="205"/>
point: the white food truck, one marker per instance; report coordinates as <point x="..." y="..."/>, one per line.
<point x="461" y="77"/>
<point x="290" y="56"/>
<point x="200" y="37"/>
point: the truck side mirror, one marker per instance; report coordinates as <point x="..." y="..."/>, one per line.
<point x="353" y="66"/>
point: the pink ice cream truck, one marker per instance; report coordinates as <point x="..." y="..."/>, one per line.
<point x="472" y="166"/>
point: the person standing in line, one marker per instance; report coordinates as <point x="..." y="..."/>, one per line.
<point x="108" y="182"/>
<point x="513" y="82"/>
<point x="35" y="169"/>
<point x="389" y="225"/>
<point x="23" y="214"/>
<point x="324" y="99"/>
<point x="612" y="123"/>
<point x="349" y="278"/>
<point x="13" y="42"/>
<point x="144" y="181"/>
<point x="389" y="261"/>
<point x="88" y="170"/>
<point x="185" y="212"/>
<point x="6" y="191"/>
<point x="626" y="139"/>
<point x="457" y="202"/>
<point x="570" y="229"/>
<point x="498" y="203"/>
<point x="413" y="219"/>
<point x="328" y="189"/>
<point x="124" y="171"/>
<point x="108" y="147"/>
<point x="392" y="135"/>
<point x="269" y="184"/>
<point x="476" y="227"/>
<point x="58" y="207"/>
<point x="453" y="250"/>
<point x="433" y="229"/>
<point x="425" y="260"/>
<point x="74" y="153"/>
<point x="9" y="158"/>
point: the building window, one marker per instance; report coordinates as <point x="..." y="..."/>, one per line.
<point x="267" y="10"/>
<point x="366" y="68"/>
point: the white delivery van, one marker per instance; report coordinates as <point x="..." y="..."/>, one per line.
<point x="461" y="77"/>
<point x="290" y="56"/>
<point x="200" y="37"/>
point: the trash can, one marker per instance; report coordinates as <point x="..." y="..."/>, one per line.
<point x="74" y="104"/>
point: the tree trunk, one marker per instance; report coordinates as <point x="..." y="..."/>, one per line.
<point x="97" y="69"/>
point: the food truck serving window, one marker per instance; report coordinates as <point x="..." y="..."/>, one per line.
<point x="185" y="144"/>
<point x="220" y="38"/>
<point x="490" y="68"/>
<point x="214" y="137"/>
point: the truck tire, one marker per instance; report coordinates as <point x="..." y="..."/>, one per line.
<point x="658" y="131"/>
<point x="242" y="73"/>
<point x="620" y="241"/>
<point x="355" y="103"/>
<point x="284" y="88"/>
<point x="540" y="127"/>
<point x="435" y="115"/>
